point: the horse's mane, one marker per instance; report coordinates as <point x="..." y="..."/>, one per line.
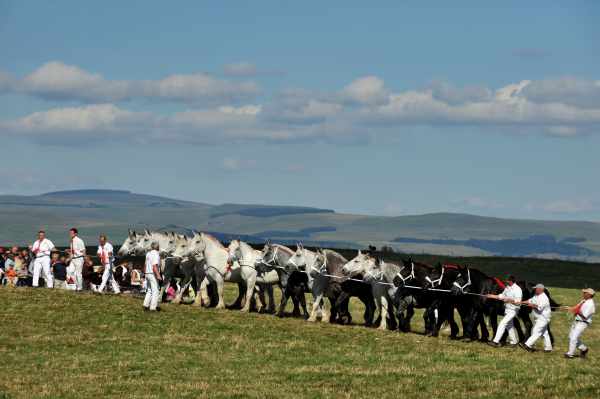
<point x="214" y="240"/>
<point x="421" y="264"/>
<point x="284" y="249"/>
<point x="336" y="255"/>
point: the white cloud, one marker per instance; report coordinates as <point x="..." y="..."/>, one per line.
<point x="243" y="68"/>
<point x="58" y="81"/>
<point x="360" y="111"/>
<point x="478" y="202"/>
<point x="365" y="90"/>
<point x="566" y="90"/>
<point x="566" y="206"/>
<point x="234" y="164"/>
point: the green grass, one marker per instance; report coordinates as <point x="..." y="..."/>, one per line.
<point x="61" y="344"/>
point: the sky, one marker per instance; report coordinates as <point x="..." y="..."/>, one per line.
<point x="387" y="109"/>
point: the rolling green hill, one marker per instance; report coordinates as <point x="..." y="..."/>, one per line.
<point x="114" y="211"/>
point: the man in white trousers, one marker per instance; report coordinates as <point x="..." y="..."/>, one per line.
<point x="41" y="250"/>
<point x="105" y="254"/>
<point x="583" y="319"/>
<point x="511" y="294"/>
<point x="541" y="315"/>
<point x="77" y="252"/>
<point x="152" y="277"/>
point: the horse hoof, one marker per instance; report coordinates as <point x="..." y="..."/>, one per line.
<point x="280" y="315"/>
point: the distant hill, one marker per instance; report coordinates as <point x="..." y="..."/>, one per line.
<point x="114" y="211"/>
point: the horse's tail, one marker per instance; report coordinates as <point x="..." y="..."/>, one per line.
<point x="553" y="303"/>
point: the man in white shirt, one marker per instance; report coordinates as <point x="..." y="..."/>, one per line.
<point x="511" y="294"/>
<point x="41" y="250"/>
<point x="152" y="276"/>
<point x="541" y="315"/>
<point x="77" y="251"/>
<point x="105" y="254"/>
<point x="583" y="318"/>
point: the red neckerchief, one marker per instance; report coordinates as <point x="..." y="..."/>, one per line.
<point x="577" y="309"/>
<point x="103" y="255"/>
<point x="500" y="283"/>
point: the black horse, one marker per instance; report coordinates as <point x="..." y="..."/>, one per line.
<point x="470" y="287"/>
<point x="362" y="291"/>
<point x="411" y="283"/>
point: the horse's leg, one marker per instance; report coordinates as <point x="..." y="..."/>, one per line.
<point x="517" y="326"/>
<point x="384" y="312"/>
<point x="485" y="335"/>
<point x="205" y="299"/>
<point x="220" y="288"/>
<point x="315" y="306"/>
<point x="250" y="284"/>
<point x="271" y="306"/>
<point x="369" y="309"/>
<point x="282" y="305"/>
<point x="303" y="304"/>
<point x="340" y="304"/>
<point x="410" y="312"/>
<point x="296" y="302"/>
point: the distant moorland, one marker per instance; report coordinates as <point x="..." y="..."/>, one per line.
<point x="114" y="211"/>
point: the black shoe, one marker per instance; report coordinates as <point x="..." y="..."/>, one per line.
<point x="512" y="345"/>
<point x="527" y="348"/>
<point x="146" y="308"/>
<point x="158" y="309"/>
<point x="493" y="344"/>
<point x="547" y="350"/>
<point x="567" y="356"/>
<point x="584" y="352"/>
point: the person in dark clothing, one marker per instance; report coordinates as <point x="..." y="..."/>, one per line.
<point x="59" y="270"/>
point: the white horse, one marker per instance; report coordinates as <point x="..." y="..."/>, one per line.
<point x="247" y="258"/>
<point x="380" y="276"/>
<point x="218" y="268"/>
<point x="130" y="245"/>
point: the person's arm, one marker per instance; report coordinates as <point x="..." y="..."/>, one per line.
<point x="156" y="271"/>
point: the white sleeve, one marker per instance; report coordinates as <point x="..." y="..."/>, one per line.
<point x="50" y="245"/>
<point x="99" y="251"/>
<point x="587" y="309"/>
<point x="109" y="248"/>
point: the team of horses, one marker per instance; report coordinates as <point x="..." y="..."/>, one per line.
<point x="390" y="291"/>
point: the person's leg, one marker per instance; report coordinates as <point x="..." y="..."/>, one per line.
<point x="105" y="276"/>
<point x="574" y="342"/>
<point x="513" y="338"/>
<point x="547" y="339"/>
<point x="580" y="345"/>
<point x="47" y="274"/>
<point x="537" y="331"/>
<point x="37" y="268"/>
<point x="508" y="316"/>
<point x="155" y="293"/>
<point x="115" y="286"/>
<point x="148" y="296"/>
<point x="78" y="265"/>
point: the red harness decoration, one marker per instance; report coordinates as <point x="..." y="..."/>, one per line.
<point x="451" y="266"/>
<point x="500" y="283"/>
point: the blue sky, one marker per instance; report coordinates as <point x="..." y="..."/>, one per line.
<point x="399" y="108"/>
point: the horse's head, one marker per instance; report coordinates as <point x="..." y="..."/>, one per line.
<point x="406" y="275"/>
<point x="462" y="282"/>
<point x="182" y="247"/>
<point x="168" y="243"/>
<point x="373" y="270"/>
<point x="234" y="251"/>
<point x="319" y="265"/>
<point x="129" y="245"/>
<point x="357" y="265"/>
<point x="144" y="243"/>
<point x="435" y="276"/>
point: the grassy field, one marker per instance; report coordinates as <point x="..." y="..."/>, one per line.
<point x="62" y="344"/>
